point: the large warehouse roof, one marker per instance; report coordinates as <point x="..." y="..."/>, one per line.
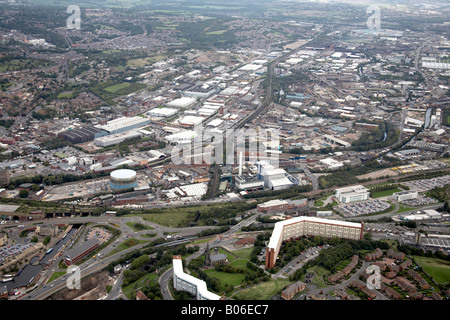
<point x="182" y="102"/>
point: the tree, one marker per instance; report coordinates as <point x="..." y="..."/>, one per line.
<point x="367" y="236"/>
<point x="23" y="193"/>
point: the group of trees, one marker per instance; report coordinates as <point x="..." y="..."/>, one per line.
<point x="415" y="251"/>
<point x="386" y="134"/>
<point x="348" y="175"/>
<point x="285" y="194"/>
<point x="338" y="251"/>
<point x="143" y="264"/>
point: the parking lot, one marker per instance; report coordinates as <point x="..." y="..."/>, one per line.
<point x="101" y="234"/>
<point x="428" y="184"/>
<point x="364" y="207"/>
<point x="421" y="201"/>
<point x="12" y="250"/>
<point x="298" y="262"/>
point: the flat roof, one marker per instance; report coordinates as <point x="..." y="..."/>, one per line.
<point x="8" y="208"/>
<point x="80" y="249"/>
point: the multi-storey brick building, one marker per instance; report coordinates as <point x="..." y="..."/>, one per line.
<point x="309" y="226"/>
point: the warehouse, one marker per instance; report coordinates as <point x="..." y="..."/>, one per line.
<point x="80" y="251"/>
<point x="85" y="134"/>
<point x="182" y="102"/>
<point x="190" y="120"/>
<point x="162" y="112"/>
<point x="278" y="205"/>
<point x="201" y="91"/>
<point x="116" y="138"/>
<point x="124" y="124"/>
<point x="181" y="137"/>
<point x="215" y="123"/>
<point x="408" y="153"/>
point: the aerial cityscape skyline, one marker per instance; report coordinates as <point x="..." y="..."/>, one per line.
<point x="254" y="150"/>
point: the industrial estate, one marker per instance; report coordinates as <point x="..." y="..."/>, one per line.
<point x="247" y="150"/>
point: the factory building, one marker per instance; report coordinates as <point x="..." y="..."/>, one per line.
<point x="281" y="205"/>
<point x="408" y="153"/>
<point x="162" y="112"/>
<point x="200" y="91"/>
<point x="116" y="138"/>
<point x="124" y="124"/>
<point x="84" y="134"/>
<point x="274" y="178"/>
<point x="182" y="102"/>
<point x="337" y="141"/>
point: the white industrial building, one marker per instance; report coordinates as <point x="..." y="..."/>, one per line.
<point x="331" y="163"/>
<point x="190" y="120"/>
<point x="116" y="138"/>
<point x="190" y="191"/>
<point x="181" y="137"/>
<point x="162" y="112"/>
<point x="337" y="141"/>
<point x="123" y="124"/>
<point x="182" y="102"/>
<point x="274" y="178"/>
<point x="352" y="194"/>
<point x="214" y="123"/>
<point x="427" y="215"/>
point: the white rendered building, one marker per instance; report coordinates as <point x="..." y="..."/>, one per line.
<point x="352" y="194"/>
<point x="405" y="195"/>
<point x="185" y="282"/>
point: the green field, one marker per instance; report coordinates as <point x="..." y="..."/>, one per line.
<point x="138" y="226"/>
<point x="65" y="95"/>
<point x="438" y="269"/>
<point x="233" y="279"/>
<point x="56" y="275"/>
<point x="384" y="193"/>
<point x="262" y="291"/>
<point x="10" y="63"/>
<point x="237" y="259"/>
<point x="117" y="87"/>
